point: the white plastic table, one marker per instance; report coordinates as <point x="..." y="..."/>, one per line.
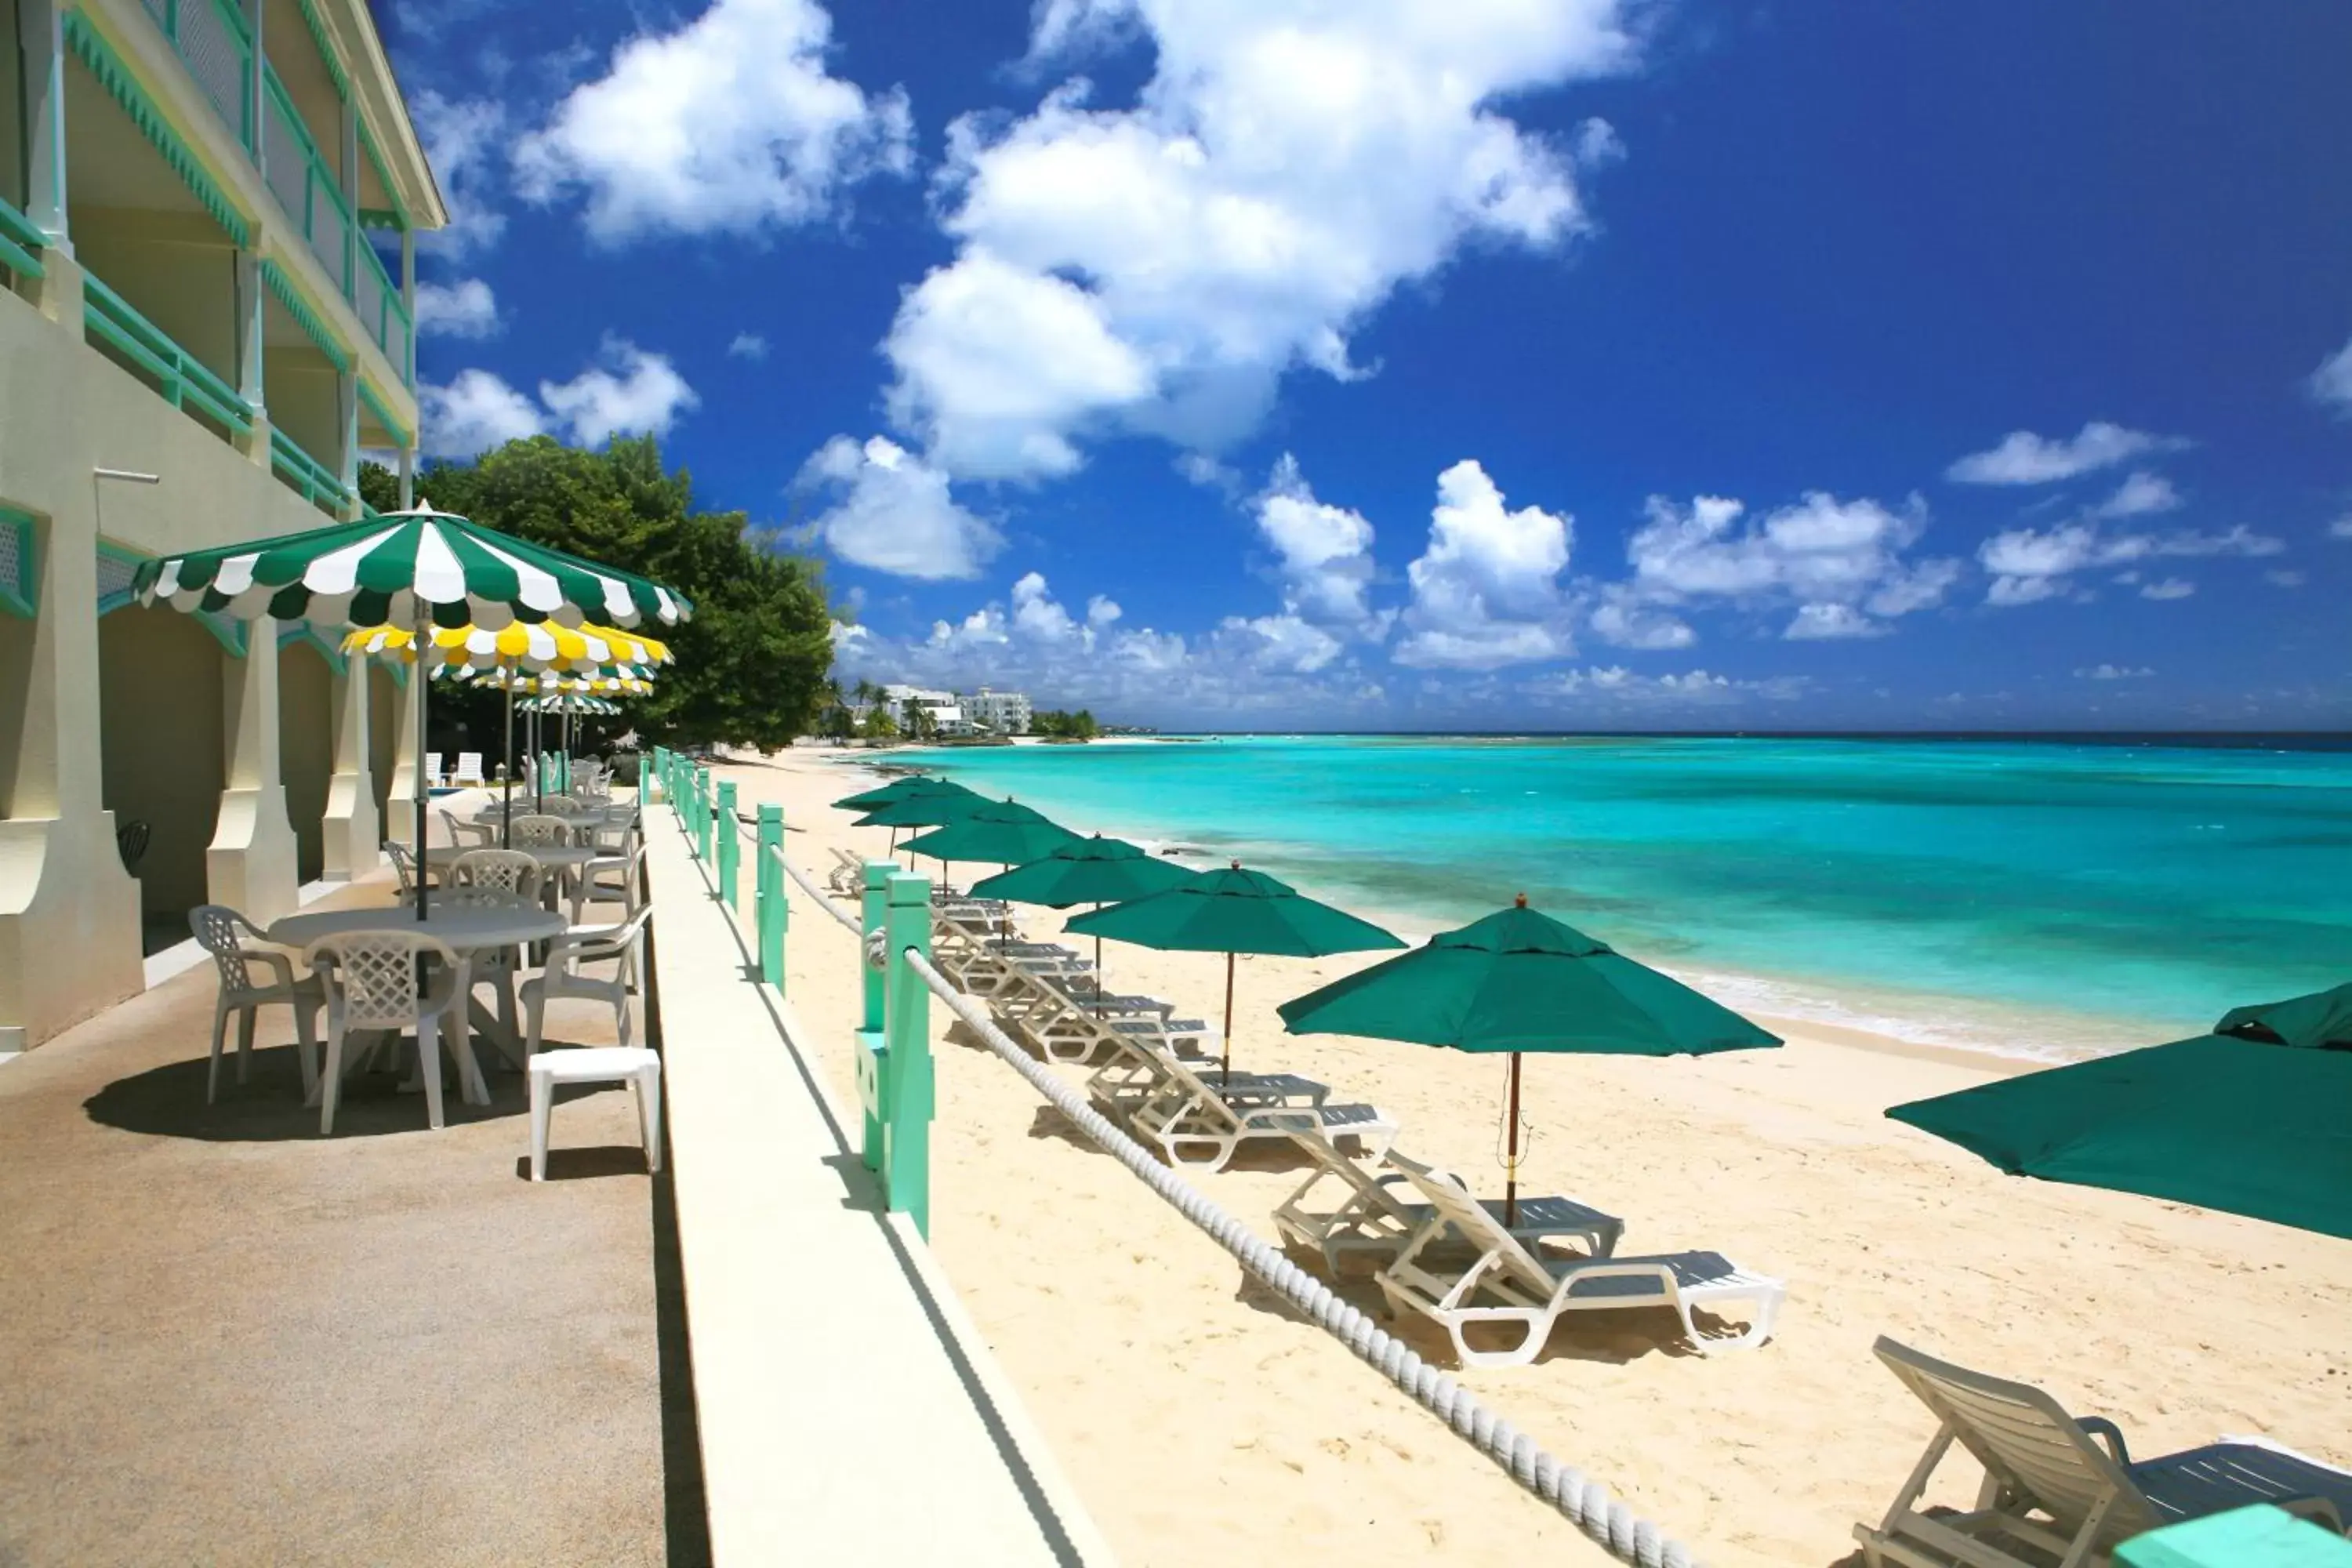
<point x="467" y="929"/>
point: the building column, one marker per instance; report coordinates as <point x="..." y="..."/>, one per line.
<point x="251" y="863"/>
<point x="252" y="377"/>
<point x="256" y="97"/>
<point x="40" y="35"/>
<point x="400" y="804"/>
<point x="408" y="299"/>
<point x="347" y="439"/>
<point x="350" y="826"/>
<point x="69" y="912"/>
<point x="407" y="478"/>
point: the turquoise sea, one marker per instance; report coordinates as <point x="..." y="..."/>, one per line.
<point x="2042" y="897"/>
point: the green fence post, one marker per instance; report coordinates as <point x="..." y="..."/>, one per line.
<point x="730" y="844"/>
<point x="658" y="776"/>
<point x="775" y="898"/>
<point x="906" y="1091"/>
<point x="872" y="1050"/>
<point x="702" y="815"/>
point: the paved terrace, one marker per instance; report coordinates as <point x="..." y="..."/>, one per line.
<point x="224" y="1340"/>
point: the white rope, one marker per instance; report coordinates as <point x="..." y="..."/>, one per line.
<point x="824" y="899"/>
<point x="1586" y="1502"/>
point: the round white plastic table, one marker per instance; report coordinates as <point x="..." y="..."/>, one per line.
<point x="467" y="929"/>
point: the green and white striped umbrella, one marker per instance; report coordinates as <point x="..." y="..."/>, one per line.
<point x="401" y="566"/>
<point x="566" y="704"/>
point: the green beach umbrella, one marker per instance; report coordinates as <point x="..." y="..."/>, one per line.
<point x="1520" y="980"/>
<point x="1001" y="832"/>
<point x="2323" y="1017"/>
<point x="1234" y="911"/>
<point x="1095" y="870"/>
<point x="2253" y="1126"/>
<point x="418" y="569"/>
<point x="913" y="784"/>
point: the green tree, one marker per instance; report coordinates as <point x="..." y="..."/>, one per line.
<point x="751" y="664"/>
<point x="879" y="725"/>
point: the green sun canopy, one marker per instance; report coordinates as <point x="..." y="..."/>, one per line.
<point x="1095" y="870"/>
<point x="2255" y="1127"/>
<point x="897" y="789"/>
<point x="1520" y="981"/>
<point x="933" y="807"/>
<point x="1005" y="832"/>
<point x="385" y="569"/>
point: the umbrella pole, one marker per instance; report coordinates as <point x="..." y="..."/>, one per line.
<point x="538" y="768"/>
<point x="506" y="780"/>
<point x="1511" y="1159"/>
<point x="1098" y="969"/>
<point x="424" y="788"/>
<point x="1228" y="1059"/>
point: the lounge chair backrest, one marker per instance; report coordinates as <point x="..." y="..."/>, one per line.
<point x="2027" y="1442"/>
<point x="1481" y="1229"/>
<point x="433" y="766"/>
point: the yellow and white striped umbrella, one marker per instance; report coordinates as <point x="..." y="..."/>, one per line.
<point x="519" y="645"/>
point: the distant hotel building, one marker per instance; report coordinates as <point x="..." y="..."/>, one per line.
<point x="1001" y="712"/>
<point x="983" y="713"/>
<point x="206" y="308"/>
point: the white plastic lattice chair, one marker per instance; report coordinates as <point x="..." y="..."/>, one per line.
<point x="480" y="834"/>
<point x="220" y="932"/>
<point x="370" y="983"/>
<point x="508" y="872"/>
<point x="562" y="977"/>
<point x="632" y="1065"/>
<point x="470" y="770"/>
<point x="404" y="865"/>
<point x="529" y="831"/>
<point x="611" y="880"/>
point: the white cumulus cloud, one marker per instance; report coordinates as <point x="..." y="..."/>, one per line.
<point x="1158" y="268"/>
<point x="2115" y="672"/>
<point x="466" y="142"/>
<point x="748" y="345"/>
<point x="2023" y="457"/>
<point x="1326" y="554"/>
<point x="467" y="309"/>
<point x="730" y="124"/>
<point x="2030" y="564"/>
<point x="631" y="392"/>
<point x="1843" y="564"/>
<point x="894" y="512"/>
<point x="2140" y="494"/>
<point x="1487" y="591"/>
<point x="2331" y="383"/>
<point x="2168" y="588"/>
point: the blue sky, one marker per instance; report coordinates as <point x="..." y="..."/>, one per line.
<point x="1491" y="363"/>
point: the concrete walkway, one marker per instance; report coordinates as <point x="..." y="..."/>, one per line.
<point x="849" y="1411"/>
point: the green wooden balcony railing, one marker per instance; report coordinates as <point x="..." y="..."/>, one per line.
<point x="185" y="381"/>
<point x="20" y="243"/>
<point x="210" y="38"/>
<point x="316" y="482"/>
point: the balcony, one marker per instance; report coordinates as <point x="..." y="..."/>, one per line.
<point x="211" y="39"/>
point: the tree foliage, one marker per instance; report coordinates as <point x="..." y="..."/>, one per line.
<point x="1056" y="724"/>
<point x="751" y="664"/>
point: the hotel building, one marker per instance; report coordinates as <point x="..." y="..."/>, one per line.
<point x="207" y="211"/>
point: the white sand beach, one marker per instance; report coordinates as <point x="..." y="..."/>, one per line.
<point x="1204" y="1423"/>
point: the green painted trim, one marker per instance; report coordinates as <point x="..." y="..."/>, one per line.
<point x="185" y="378"/>
<point x="312" y="478"/>
<point x="20" y="243"/>
<point x="377" y="217"/>
<point x="402" y="436"/>
<point x="114" y="76"/>
<point x="23" y="596"/>
<point x="225" y="630"/>
<point x="292" y="632"/>
<point x="281" y="283"/>
<point x="327" y="50"/>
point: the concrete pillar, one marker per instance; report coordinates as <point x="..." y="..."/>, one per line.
<point x="347" y="440"/>
<point x="407" y="478"/>
<point x="400" y="807"/>
<point x="350" y="825"/>
<point x="40" y="34"/>
<point x="408" y="299"/>
<point x="68" y="911"/>
<point x="251" y="862"/>
<point x="252" y="314"/>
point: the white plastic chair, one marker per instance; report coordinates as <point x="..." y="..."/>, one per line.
<point x="561" y="978"/>
<point x="632" y="1065"/>
<point x="611" y="880"/>
<point x="469" y="769"/>
<point x="370" y="983"/>
<point x="219" y="931"/>
<point x="433" y="768"/>
<point x="511" y="872"/>
<point x="404" y="865"/>
<point x="483" y="835"/>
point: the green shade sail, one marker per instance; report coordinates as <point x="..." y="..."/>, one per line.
<point x="399" y="567"/>
<point x="1095" y="870"/>
<point x="2251" y="1126"/>
<point x="1005" y="832"/>
<point x="1233" y="910"/>
<point x="1520" y="981"/>
<point x="897" y="789"/>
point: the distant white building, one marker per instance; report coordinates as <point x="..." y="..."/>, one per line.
<point x="945" y="709"/>
<point x="1000" y="712"/>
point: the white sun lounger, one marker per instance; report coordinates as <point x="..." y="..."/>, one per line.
<point x="469" y="769"/>
<point x="2064" y="1489"/>
<point x="1199" y="1120"/>
<point x="1057" y="1010"/>
<point x="1510" y="1285"/>
<point x="1377" y="1214"/>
